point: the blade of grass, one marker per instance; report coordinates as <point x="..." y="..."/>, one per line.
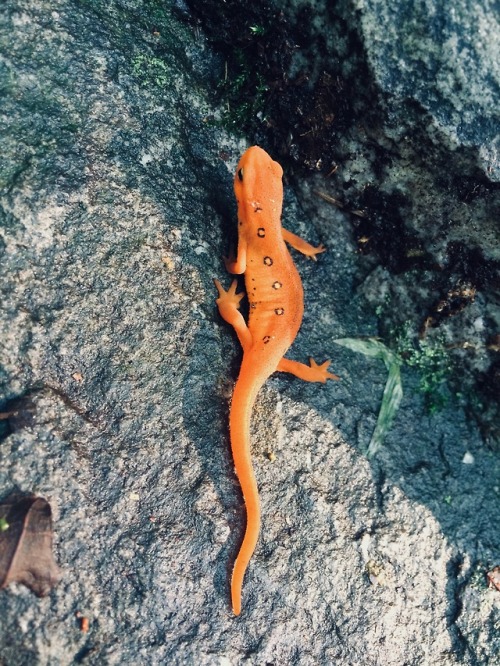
<point x="393" y="391"/>
<point x="391" y="399"/>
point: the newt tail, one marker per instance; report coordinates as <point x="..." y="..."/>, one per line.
<point x="245" y="393"/>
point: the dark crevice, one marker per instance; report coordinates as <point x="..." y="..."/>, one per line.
<point x="456" y="585"/>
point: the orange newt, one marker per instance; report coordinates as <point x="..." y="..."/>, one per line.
<point x="275" y="295"/>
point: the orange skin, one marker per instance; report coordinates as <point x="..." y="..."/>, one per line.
<point x="276" y="301"/>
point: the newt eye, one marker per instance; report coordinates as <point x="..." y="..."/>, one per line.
<point x="240" y="174"/>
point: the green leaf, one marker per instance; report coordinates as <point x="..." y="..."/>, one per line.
<point x="257" y="30"/>
<point x="370" y="347"/>
<point x="393" y="391"/>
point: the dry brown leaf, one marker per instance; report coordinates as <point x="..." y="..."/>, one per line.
<point x="26" y="544"/>
<point x="493" y="578"/>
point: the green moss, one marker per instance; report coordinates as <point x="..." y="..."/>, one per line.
<point x="150" y="71"/>
<point x="430" y="358"/>
<point x="244" y="92"/>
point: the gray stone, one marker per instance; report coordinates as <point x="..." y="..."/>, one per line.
<point x="116" y="208"/>
<point x="447" y="59"/>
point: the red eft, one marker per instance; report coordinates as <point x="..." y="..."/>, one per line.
<point x="276" y="301"/>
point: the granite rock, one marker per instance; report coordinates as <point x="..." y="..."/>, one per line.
<point x="116" y="208"/>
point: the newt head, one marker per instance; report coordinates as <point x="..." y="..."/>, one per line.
<point x="258" y="185"/>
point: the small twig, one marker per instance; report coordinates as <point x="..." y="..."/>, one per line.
<point x="339" y="204"/>
<point x="327" y="197"/>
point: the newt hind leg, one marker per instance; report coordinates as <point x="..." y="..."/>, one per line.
<point x="309" y="373"/>
<point x="228" y="304"/>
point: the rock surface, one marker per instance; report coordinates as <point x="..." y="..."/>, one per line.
<point x="447" y="59"/>
<point x="116" y="207"/>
